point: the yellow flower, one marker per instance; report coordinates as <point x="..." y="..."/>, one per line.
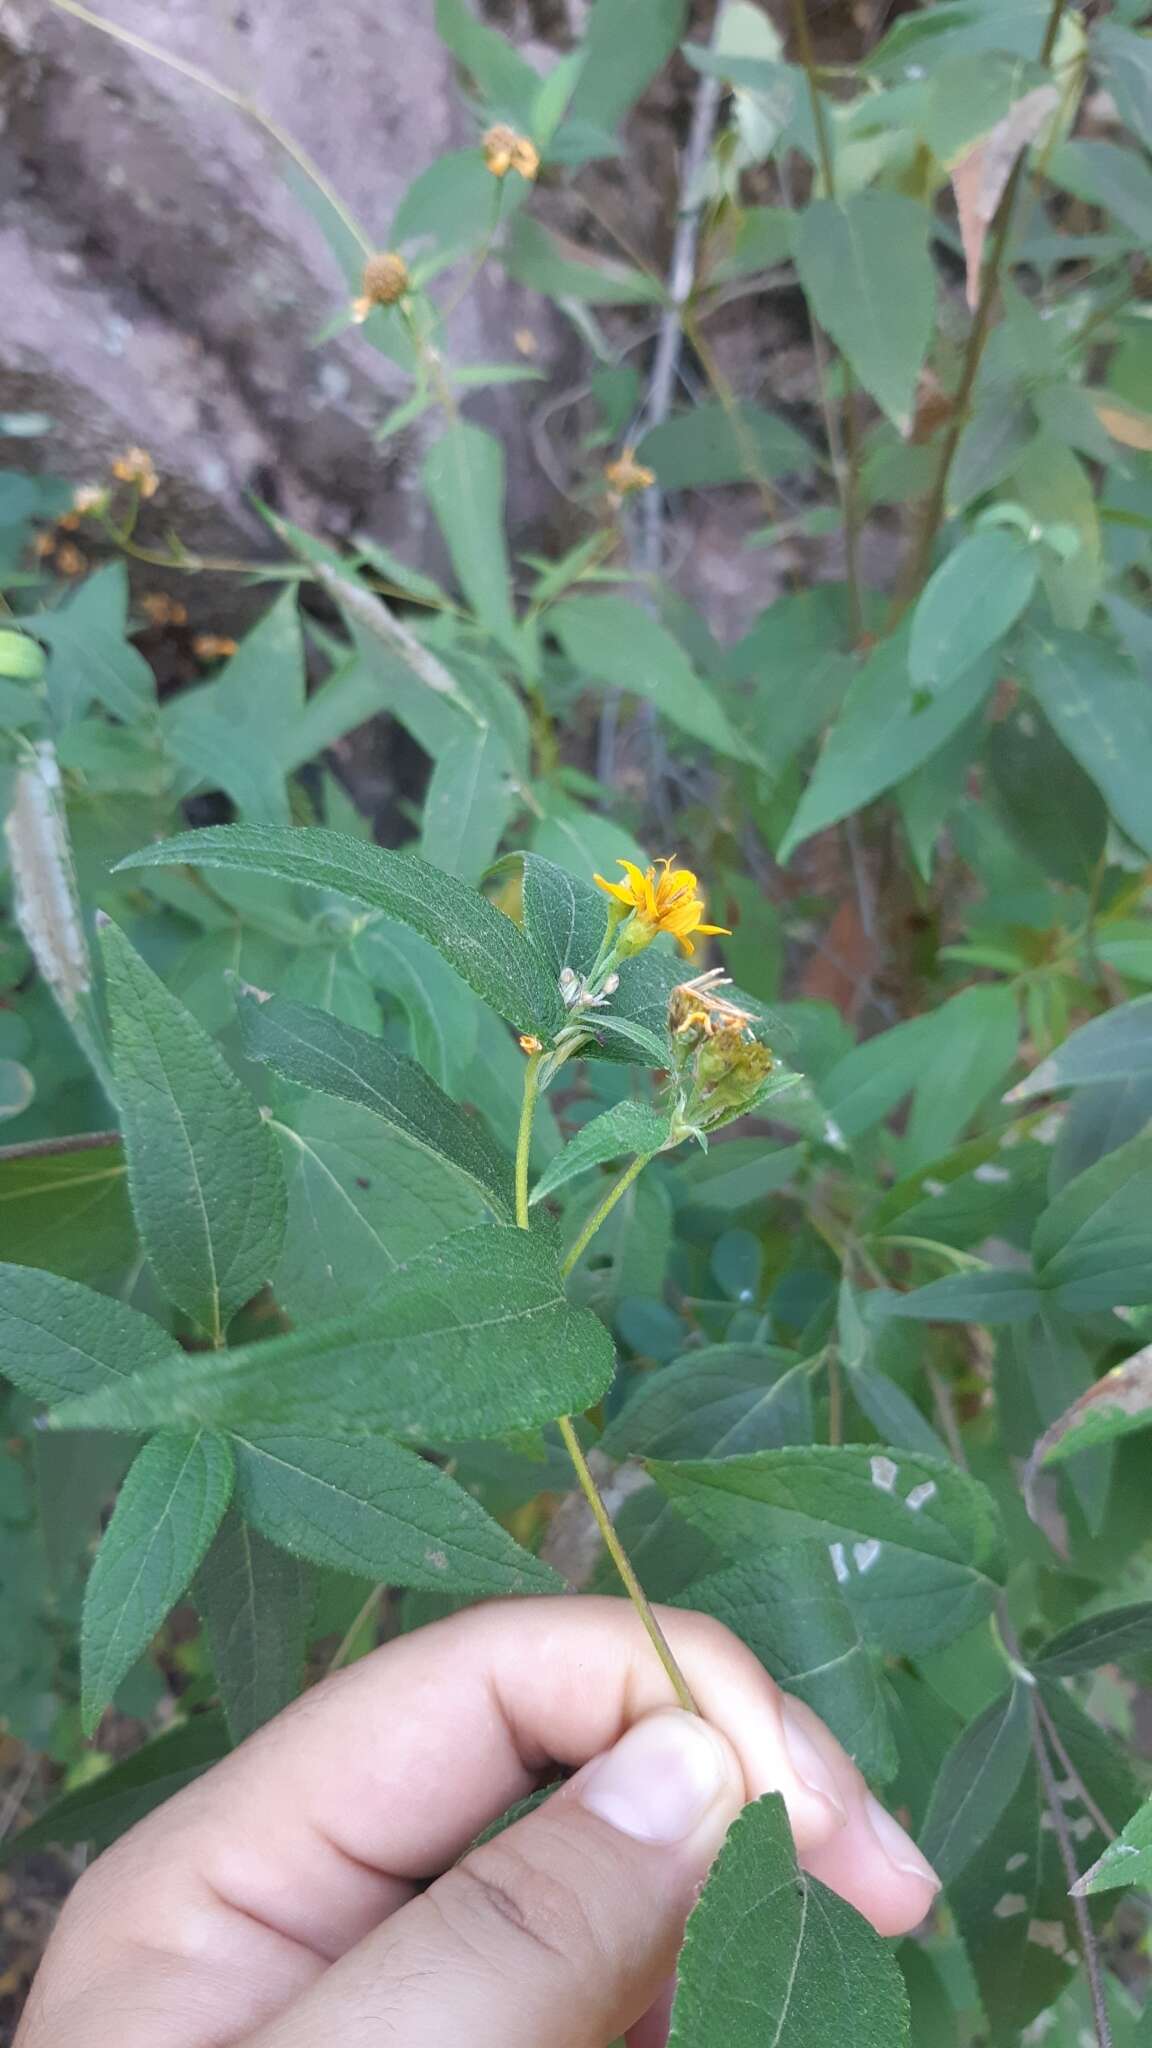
<point x="668" y="903"/>
<point x="505" y="150"/>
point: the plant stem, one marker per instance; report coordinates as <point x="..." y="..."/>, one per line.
<point x="847" y="471"/>
<point x="285" y="141"/>
<point x="919" y="562"/>
<point x="1089" y="1946"/>
<point x="53" y="1148"/>
<point x="619" y="1187"/>
<point x="524" y="1135"/>
<point x="623" y="1564"/>
<point x="572" y="1444"/>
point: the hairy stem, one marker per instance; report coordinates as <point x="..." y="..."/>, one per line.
<point x="619" y="1187"/>
<point x="848" y="470"/>
<point x="919" y="562"/>
<point x="567" y="1428"/>
<point x="1089" y="1947"/>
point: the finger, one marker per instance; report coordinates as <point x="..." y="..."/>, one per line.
<point x="562" y="1930"/>
<point x="283" y="1856"/>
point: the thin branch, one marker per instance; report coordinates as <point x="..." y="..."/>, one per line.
<point x="53" y="1148"/>
<point x="240" y="100"/>
<point x="1073" y="1776"/>
<point x="1093" y="1967"/>
<point x="847" y="470"/>
<point x="919" y="562"/>
<point x="680" y="282"/>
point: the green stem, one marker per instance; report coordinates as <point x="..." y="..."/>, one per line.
<point x="623" y="1564"/>
<point x="524" y="1135"/>
<point x="619" y="1187"/>
<point x="920" y="560"/>
<point x="572" y="1444"/>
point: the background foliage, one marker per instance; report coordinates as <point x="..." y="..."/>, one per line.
<point x="869" y="1378"/>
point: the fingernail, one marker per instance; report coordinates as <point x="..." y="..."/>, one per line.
<point x="810" y="1765"/>
<point x="660" y="1780"/>
<point x="898" y="1847"/>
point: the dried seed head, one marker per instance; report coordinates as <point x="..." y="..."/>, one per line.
<point x="163" y="610"/>
<point x="135" y="466"/>
<point x="383" y="282"/>
<point x="213" y="647"/>
<point x="626" y="475"/>
<point x="505" y="150"/>
<point x="69" y="560"/>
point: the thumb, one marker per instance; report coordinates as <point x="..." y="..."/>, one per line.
<point x="560" y="1931"/>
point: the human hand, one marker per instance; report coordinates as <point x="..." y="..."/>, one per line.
<point x="277" y="1902"/>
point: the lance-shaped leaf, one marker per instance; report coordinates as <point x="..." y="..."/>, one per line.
<point x="372" y="1508"/>
<point x="985" y="1294"/>
<point x="791" y="1611"/>
<point x="1114" y="1047"/>
<point x="621" y="1132"/>
<point x="1121" y="1635"/>
<point x="1117" y="1405"/>
<point x="915" y="1543"/>
<point x="170" y="1507"/>
<point x="489" y="952"/>
<point x="103" y="1808"/>
<point x="1092" y="1244"/>
<point x="254" y="1601"/>
<point x="977" y="1782"/>
<point x="321" y="1052"/>
<point x="1127" y="1860"/>
<point x="473" y="1338"/>
<point x="203" y="1170"/>
<point x="715" y="1403"/>
<point x="772" y="1957"/>
<point x="58" y="1338"/>
<point x="866" y="270"/>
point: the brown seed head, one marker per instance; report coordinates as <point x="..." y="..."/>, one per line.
<point x="69" y="560"/>
<point x="135" y="466"/>
<point x="383" y="281"/>
<point x="625" y="475"/>
<point x="213" y="647"/>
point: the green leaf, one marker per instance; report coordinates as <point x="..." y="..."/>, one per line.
<point x="617" y="67"/>
<point x="381" y="1512"/>
<point x="487" y="950"/>
<point x="863" y="1087"/>
<point x="509" y="84"/>
<point x="1052" y="484"/>
<point x="1115" y="1406"/>
<point x="468" y="802"/>
<point x="977" y="1782"/>
<point x="361" y="1200"/>
<point x="969" y="1052"/>
<point x="1102" y="710"/>
<point x="1120" y="1635"/>
<point x="866" y="270"/>
<point x="169" y="1508"/>
<point x="613" y="641"/>
<point x="474" y="1338"/>
<point x="1127" y="1860"/>
<point x="714" y="1403"/>
<point x="1114" y="1047"/>
<point x="234" y="733"/>
<point x="58" y="1338"/>
<point x="102" y="1808"/>
<point x="317" y="1051"/>
<point x="987" y="1294"/>
<point x="70" y="1213"/>
<point x="534" y="256"/>
<point x="791" y="1613"/>
<point x="1092" y="1245"/>
<point x="625" y="1129"/>
<point x="1106" y="174"/>
<point x="771" y="1956"/>
<point x="1050" y="806"/>
<point x="1125" y="63"/>
<point x="203" y="1170"/>
<point x="440" y="1009"/>
<point x="713" y="444"/>
<point x="254" y="1601"/>
<point x="880" y="737"/>
<point x="464" y="478"/>
<point x="91" y="657"/>
<point x="973" y="599"/>
<point x="915" y="1544"/>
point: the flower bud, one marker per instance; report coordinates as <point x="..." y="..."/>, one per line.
<point x="505" y="150"/>
<point x="383" y="282"/>
<point x="626" y="475"/>
<point x="21" y="658"/>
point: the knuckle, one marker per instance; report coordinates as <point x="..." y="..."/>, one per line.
<point x="539" y="1907"/>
